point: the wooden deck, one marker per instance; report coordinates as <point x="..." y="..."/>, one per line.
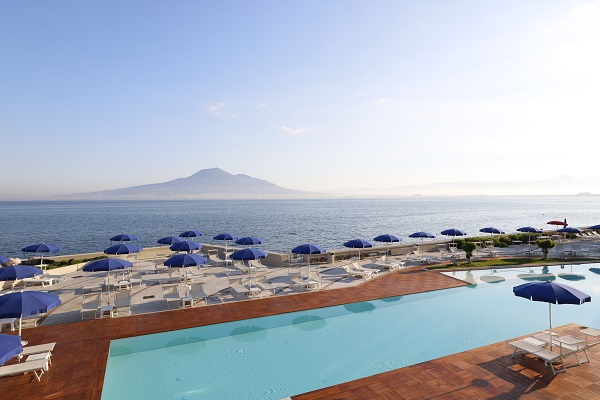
<point x="488" y="372"/>
<point x="80" y="356"/>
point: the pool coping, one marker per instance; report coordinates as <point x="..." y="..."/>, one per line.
<point x="81" y="353"/>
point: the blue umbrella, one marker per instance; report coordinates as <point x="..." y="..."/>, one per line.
<point x="123" y="248"/>
<point x="529" y="229"/>
<point x="249" y="241"/>
<point x="387" y="239"/>
<point x="186" y="245"/>
<point x="308" y="248"/>
<point x="492" y="230"/>
<point x="248" y="254"/>
<point x="551" y="293"/>
<point x="594" y="227"/>
<point x="10" y="346"/>
<point x="358" y="244"/>
<point x="41" y="248"/>
<point x="569" y="229"/>
<point x="4" y="260"/>
<point x="107" y="264"/>
<point x="169" y="240"/>
<point x="191" y="233"/>
<point x="14" y="272"/>
<point x="123" y="238"/>
<point x="26" y="303"/>
<point x="226" y="237"/>
<point x="453" y="232"/>
<point x="421" y="235"/>
<point x="184" y="261"/>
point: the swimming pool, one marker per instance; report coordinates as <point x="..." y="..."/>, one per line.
<point x="279" y="356"/>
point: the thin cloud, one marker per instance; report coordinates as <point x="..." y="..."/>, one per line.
<point x="221" y="110"/>
<point x="295" y="131"/>
<point x="379" y="101"/>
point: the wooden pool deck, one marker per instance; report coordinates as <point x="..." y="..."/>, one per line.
<point x="80" y="355"/>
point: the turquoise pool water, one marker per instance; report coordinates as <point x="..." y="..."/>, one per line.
<point x="279" y="356"/>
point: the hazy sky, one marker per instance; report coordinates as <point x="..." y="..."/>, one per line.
<point x="310" y="95"/>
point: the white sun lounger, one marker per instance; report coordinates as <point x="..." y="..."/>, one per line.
<point x="527" y="346"/>
<point x="35" y="366"/>
<point x="361" y="274"/>
<point x="385" y="263"/>
<point x="40" y="348"/>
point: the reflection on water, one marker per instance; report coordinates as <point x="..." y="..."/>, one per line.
<point x="570" y="276"/>
<point x="492" y="279"/>
<point x="359" y="307"/>
<point x="249" y="333"/>
<point x="595" y="270"/>
<point x="309" y="322"/>
<point x="392" y="299"/>
<point x="176" y="346"/>
<point x="471" y="279"/>
<point x="545" y="275"/>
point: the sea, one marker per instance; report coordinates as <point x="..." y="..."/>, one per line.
<point x="87" y="226"/>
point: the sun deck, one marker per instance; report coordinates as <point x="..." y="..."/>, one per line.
<point x="80" y="356"/>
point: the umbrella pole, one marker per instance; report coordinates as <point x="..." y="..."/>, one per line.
<point x="20" y="324"/>
<point x="550" y="314"/>
<point x="187" y="288"/>
<point x="108" y="286"/>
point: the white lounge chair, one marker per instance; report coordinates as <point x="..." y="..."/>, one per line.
<point x="240" y="266"/>
<point x="91" y="303"/>
<point x="241" y="285"/>
<point x="386" y="263"/>
<point x="444" y="252"/>
<point x="525" y="346"/>
<point x="171" y="294"/>
<point x="37" y="349"/>
<point x="215" y="260"/>
<point x="361" y="274"/>
<point x="197" y="292"/>
<point x="122" y="301"/>
<point x="356" y="266"/>
<point x="39" y="280"/>
<point x="35" y="366"/>
<point x="256" y="265"/>
<point x="419" y="256"/>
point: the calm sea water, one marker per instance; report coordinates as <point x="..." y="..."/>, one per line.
<point x="86" y="226"/>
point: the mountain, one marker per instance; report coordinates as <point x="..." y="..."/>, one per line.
<point x="213" y="183"/>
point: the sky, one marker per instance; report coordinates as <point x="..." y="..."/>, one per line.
<point x="310" y="95"/>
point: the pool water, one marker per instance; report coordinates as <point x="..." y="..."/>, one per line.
<point x="283" y="355"/>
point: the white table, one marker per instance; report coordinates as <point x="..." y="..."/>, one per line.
<point x="108" y="311"/>
<point x="187" y="301"/>
<point x="8" y="321"/>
